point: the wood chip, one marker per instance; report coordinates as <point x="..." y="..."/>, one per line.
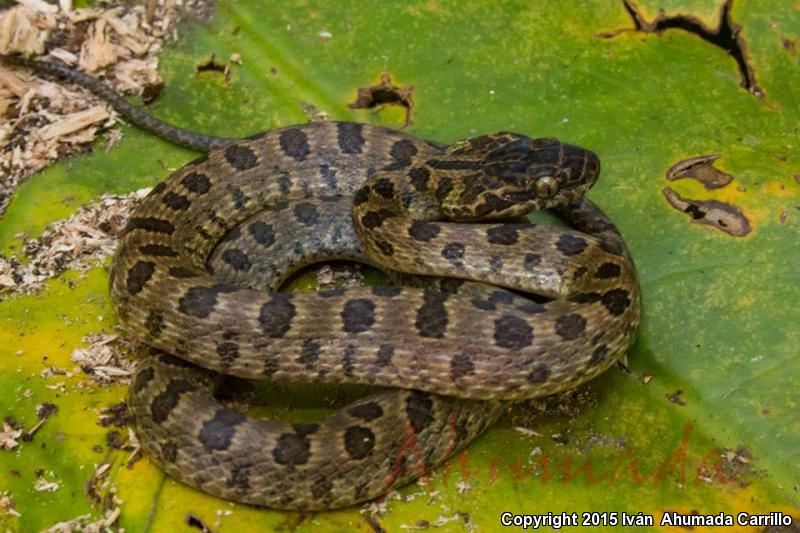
<point x="80" y="242"/>
<point x="9" y="436"/>
<point x="15" y="84"/>
<point x="40" y="121"/>
<point x="75" y="122"/>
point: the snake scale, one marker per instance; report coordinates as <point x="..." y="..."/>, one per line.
<point x="196" y="272"/>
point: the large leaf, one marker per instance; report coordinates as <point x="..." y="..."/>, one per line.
<point x="706" y="420"/>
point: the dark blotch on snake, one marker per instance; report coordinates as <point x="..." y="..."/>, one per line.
<point x="241" y="157"/>
<point x="144" y="377"/>
<point x="569" y="327"/>
<point x="154" y="323"/>
<point x="584" y="297"/>
<point x="570" y="245"/>
<point x="450" y="285"/>
<point x="182" y="272"/>
<point x="306" y="213"/>
<point x="262" y="233"/>
<point x="385" y="354"/>
<point x="403" y="151"/>
<point x="483" y="305"/>
<point x="158" y="250"/>
<point x="422" y="230"/>
<point x="616" y="301"/>
<point x="505" y="234"/>
<point x="196" y="182"/>
<point x="385" y="247"/>
<point x="237" y="259"/>
<point x="309" y="354"/>
<point x="613" y="247"/>
<point x="163" y="404"/>
<point x="461" y="365"/>
<point x="177" y="362"/>
<point x="291" y="449"/>
<point x="432" y="317"/>
<point x="531" y="308"/>
<point x="200" y="301"/>
<point x="444" y="187"/>
<point x="531" y="261"/>
<point x="276" y="315"/>
<point x="492" y="204"/>
<point x="374" y="219"/>
<point x="454" y="252"/>
<point x="607" y="271"/>
<point x="366" y="411"/>
<point x="139" y="275"/>
<point x="237" y="196"/>
<point x="349" y="137"/>
<point x="156" y="225"/>
<point x="420" y="178"/>
<point x="361" y="196"/>
<point x="175" y="201"/>
<point x="228" y="352"/>
<point x="358" y="441"/>
<point x="328" y="175"/>
<point x="512" y="332"/>
<point x="501" y="297"/>
<point x="157" y="189"/>
<point x="419" y="410"/>
<point x="386" y="291"/>
<point x="358" y="315"/>
<point x="384" y="187"/>
<point x="218" y="432"/>
<point x="295" y="144"/>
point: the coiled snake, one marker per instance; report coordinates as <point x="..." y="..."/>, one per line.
<point x="196" y="270"/>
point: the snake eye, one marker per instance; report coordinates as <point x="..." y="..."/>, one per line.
<point x="546" y="187"/>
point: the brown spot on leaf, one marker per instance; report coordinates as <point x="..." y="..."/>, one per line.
<point x="210" y="65"/>
<point x="789" y="45"/>
<point x="151" y="92"/>
<point x="702" y="169"/>
<point x="676" y="398"/>
<point x="385" y="92"/>
<point x="724" y="217"/>
<point x="725" y="36"/>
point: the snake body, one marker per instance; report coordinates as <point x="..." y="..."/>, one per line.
<point x="197" y="268"/>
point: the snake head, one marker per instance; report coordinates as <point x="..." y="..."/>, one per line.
<point x="514" y="174"/>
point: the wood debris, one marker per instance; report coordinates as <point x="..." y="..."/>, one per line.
<point x="7" y="505"/>
<point x="332" y="276"/>
<point x="43" y="485"/>
<point x="9" y="436"/>
<point x="41" y="120"/>
<point x="80" y="242"/>
<point x="106" y="359"/>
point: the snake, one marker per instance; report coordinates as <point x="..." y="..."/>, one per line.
<point x="485" y="307"/>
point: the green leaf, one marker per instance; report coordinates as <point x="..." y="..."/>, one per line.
<point x="720" y="312"/>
